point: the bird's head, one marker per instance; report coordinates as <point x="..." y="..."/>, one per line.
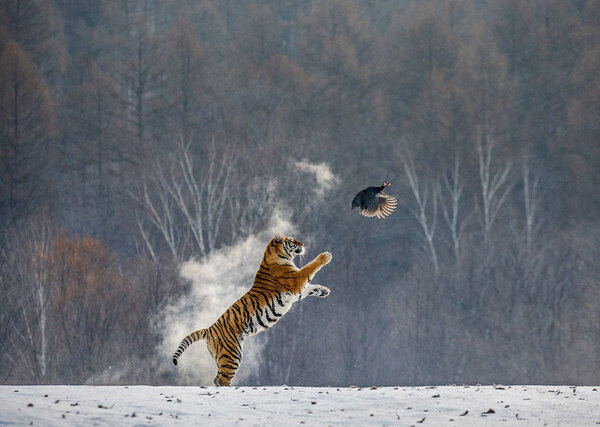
<point x="386" y="183"/>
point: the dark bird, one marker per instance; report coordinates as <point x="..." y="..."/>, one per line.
<point x="372" y="201"/>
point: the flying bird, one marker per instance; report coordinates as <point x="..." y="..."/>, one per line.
<point x="372" y="201"/>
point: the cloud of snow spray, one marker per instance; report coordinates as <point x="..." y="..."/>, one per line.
<point x="325" y="178"/>
<point x="218" y="281"/>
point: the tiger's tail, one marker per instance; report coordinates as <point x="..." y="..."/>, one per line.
<point x="187" y="341"/>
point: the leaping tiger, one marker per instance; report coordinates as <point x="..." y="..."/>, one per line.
<point x="277" y="285"/>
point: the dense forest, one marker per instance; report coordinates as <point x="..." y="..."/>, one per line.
<point x="149" y="149"/>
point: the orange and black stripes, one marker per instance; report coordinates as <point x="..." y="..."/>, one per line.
<point x="187" y="341"/>
<point x="277" y="284"/>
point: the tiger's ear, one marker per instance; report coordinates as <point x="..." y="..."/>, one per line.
<point x="278" y="238"/>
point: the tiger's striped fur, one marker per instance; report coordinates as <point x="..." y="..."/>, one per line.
<point x="277" y="285"/>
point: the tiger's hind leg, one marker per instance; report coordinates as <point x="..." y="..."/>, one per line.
<point x="222" y="379"/>
<point x="228" y="361"/>
<point x="226" y="368"/>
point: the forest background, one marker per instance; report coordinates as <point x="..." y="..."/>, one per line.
<point x="146" y="145"/>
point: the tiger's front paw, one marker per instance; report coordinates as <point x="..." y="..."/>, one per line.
<point x="325" y="257"/>
<point x="323" y="292"/>
<point x="320" y="292"/>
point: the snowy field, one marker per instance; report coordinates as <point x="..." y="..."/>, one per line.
<point x="285" y="405"/>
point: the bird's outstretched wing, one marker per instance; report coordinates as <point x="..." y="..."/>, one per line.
<point x="380" y="206"/>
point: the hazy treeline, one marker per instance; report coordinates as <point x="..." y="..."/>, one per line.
<point x="136" y="135"/>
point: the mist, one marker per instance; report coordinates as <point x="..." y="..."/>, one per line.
<point x="325" y="178"/>
<point x="218" y="280"/>
<point x="153" y="148"/>
<point x="216" y="283"/>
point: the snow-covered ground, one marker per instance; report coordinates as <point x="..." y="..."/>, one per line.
<point x="286" y="405"/>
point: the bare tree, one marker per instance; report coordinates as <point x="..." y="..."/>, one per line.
<point x="531" y="199"/>
<point x="425" y="216"/>
<point x="27" y="126"/>
<point x="251" y="204"/>
<point x="493" y="180"/>
<point x="159" y="211"/>
<point x="26" y="262"/>
<point x="452" y="208"/>
<point x="131" y="34"/>
<point x="36" y="26"/>
<point x="91" y="305"/>
<point x="185" y="202"/>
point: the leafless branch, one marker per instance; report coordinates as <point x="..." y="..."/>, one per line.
<point x="185" y="202"/>
<point x="494" y="188"/>
<point x="451" y="208"/>
<point x="427" y="218"/>
<point x="531" y="199"/>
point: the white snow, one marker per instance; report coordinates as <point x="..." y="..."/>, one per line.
<point x="285" y="405"/>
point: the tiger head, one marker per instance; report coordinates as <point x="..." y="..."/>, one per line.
<point x="288" y="246"/>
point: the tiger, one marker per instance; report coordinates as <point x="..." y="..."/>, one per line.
<point x="277" y="285"/>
